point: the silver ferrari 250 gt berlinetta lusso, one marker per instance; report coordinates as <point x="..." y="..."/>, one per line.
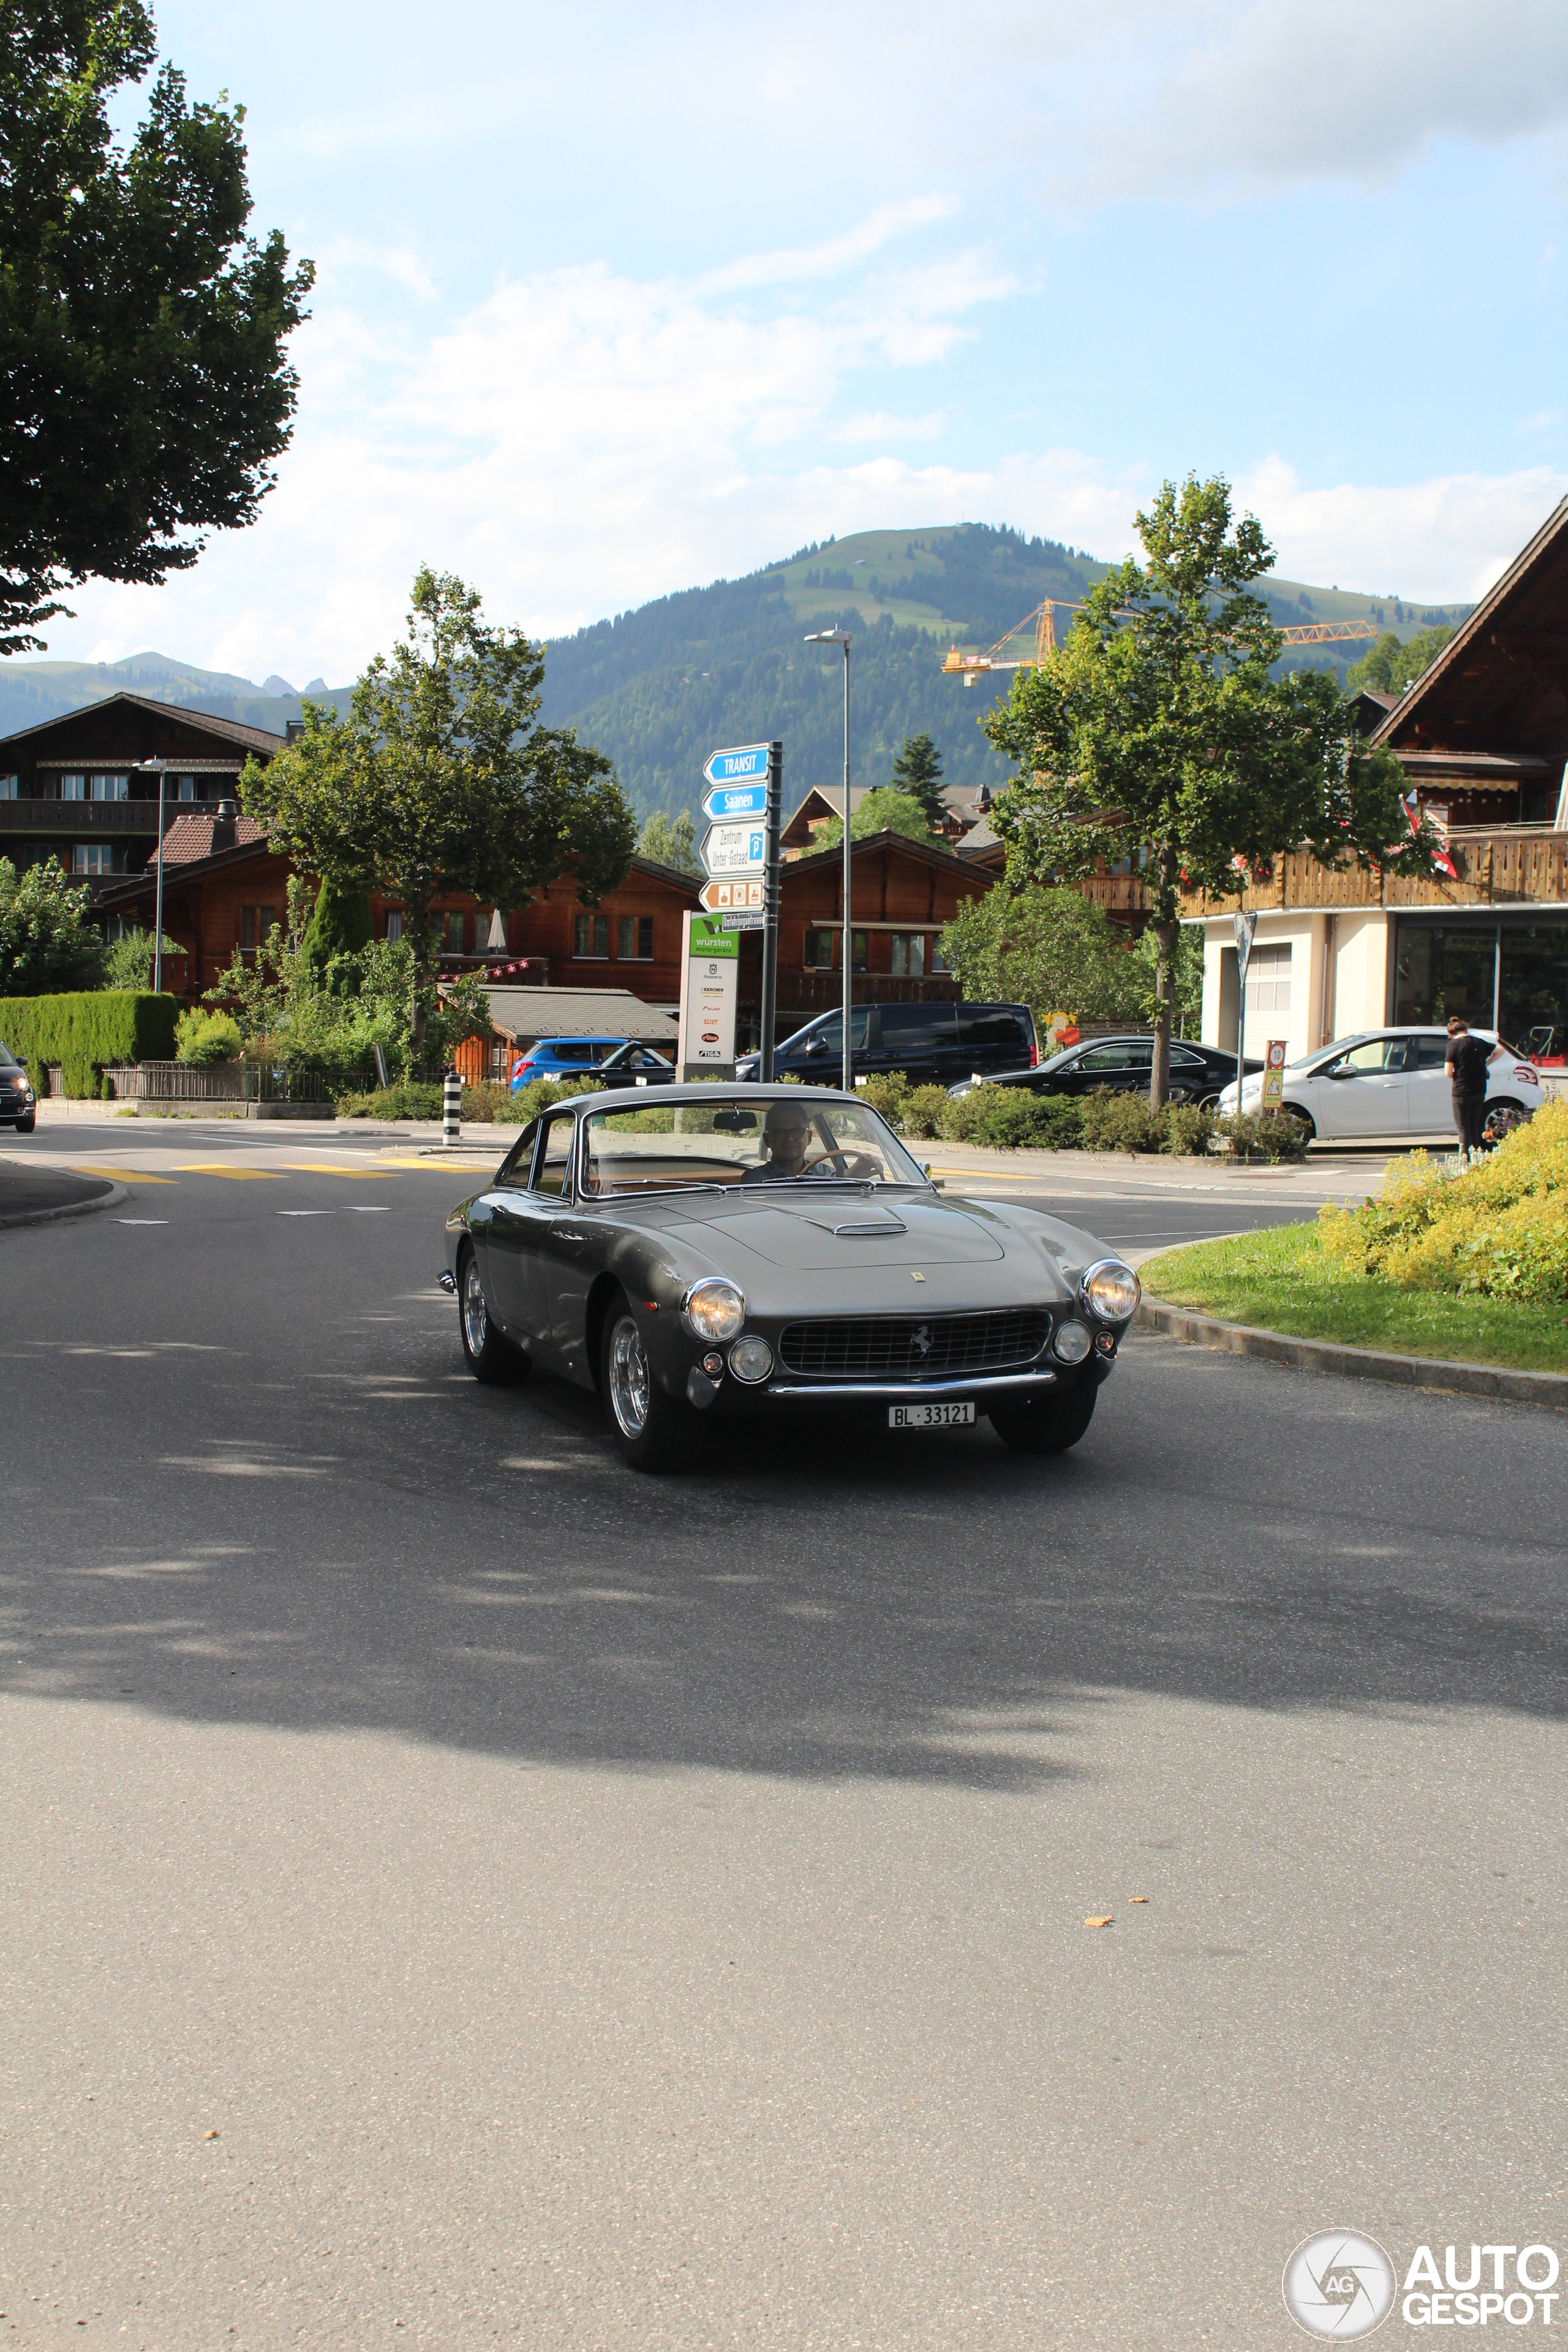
<point x="768" y="1251"/>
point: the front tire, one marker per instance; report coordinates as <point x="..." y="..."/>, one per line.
<point x="491" y="1357"/>
<point x="28" y="1122"/>
<point x="1049" y="1425"/>
<point x="654" y="1432"/>
<point x="1302" y="1119"/>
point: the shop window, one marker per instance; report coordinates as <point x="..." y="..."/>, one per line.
<point x="1443" y="969"/>
<point x="635" y="939"/>
<point x="1268" y="977"/>
<point x="592" y="938"/>
<point x="97" y="857"/>
<point x="1533" y="972"/>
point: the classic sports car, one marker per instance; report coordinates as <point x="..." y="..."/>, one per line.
<point x="752" y="1252"/>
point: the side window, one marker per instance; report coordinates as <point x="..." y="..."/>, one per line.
<point x="1431" y="1053"/>
<point x="1399" y="1056"/>
<point x="1181" y="1061"/>
<point x="1364" y="1059"/>
<point x="991" y="1024"/>
<point x="1106" y="1057"/>
<point x="917" y="1028"/>
<point x="513" y="1169"/>
<point x="555" y="1160"/>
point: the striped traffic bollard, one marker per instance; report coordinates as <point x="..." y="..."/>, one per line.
<point x="451" y="1108"/>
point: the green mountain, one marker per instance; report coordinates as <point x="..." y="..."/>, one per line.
<point x="657" y="688"/>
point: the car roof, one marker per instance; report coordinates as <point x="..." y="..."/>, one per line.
<point x="613" y="1098"/>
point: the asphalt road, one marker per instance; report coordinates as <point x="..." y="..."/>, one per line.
<point x="457" y="1891"/>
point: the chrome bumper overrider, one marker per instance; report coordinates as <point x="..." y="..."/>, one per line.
<point x="909" y="1391"/>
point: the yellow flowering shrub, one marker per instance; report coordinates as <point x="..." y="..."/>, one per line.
<point x="1501" y="1227"/>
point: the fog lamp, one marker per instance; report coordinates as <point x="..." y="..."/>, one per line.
<point x="751" y="1359"/>
<point x="712" y="1363"/>
<point x="1071" y="1344"/>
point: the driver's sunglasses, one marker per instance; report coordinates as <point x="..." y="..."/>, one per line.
<point x="781" y="1134"/>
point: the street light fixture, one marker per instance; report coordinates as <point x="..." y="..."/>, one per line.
<point x="841" y="637"/>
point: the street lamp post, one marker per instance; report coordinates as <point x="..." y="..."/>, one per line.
<point x="841" y="637"/>
<point x="160" y="767"/>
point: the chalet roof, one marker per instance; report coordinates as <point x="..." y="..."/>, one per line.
<point x="927" y="853"/>
<point x="1500" y="683"/>
<point x="527" y="1013"/>
<point x="687" y="883"/>
<point x="190" y="838"/>
<point x="227" y="731"/>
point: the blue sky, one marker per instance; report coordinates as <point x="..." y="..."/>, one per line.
<point x="612" y="301"/>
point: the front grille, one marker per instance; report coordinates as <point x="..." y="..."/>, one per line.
<point x="909" y="1347"/>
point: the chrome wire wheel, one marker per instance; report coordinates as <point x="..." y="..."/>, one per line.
<point x="476" y="1322"/>
<point x="631" y="1382"/>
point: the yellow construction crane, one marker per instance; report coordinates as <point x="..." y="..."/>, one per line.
<point x="970" y="667"/>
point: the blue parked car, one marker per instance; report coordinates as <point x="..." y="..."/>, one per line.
<point x="563" y="1058"/>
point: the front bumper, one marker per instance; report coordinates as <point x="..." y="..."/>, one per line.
<point x="731" y="1398"/>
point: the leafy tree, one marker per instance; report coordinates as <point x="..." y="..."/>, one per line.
<point x="340" y="928"/>
<point x="1391" y="667"/>
<point x="917" y="771"/>
<point x="1187" y="1000"/>
<point x="440" y="780"/>
<point x="1046" y="948"/>
<point x="141" y="333"/>
<point x="881" y="811"/>
<point x="128" y="961"/>
<point x="670" y="841"/>
<point x="1158" y="723"/>
<point x="46" y="940"/>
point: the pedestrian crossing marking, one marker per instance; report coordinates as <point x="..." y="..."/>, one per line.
<point x="119" y="1175"/>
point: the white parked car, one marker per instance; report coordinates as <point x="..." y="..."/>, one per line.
<point x="1391" y="1083"/>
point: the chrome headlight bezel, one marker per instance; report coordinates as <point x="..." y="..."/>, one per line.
<point x="714" y="1309"/>
<point x="1064" y="1340"/>
<point x="1091" y="1304"/>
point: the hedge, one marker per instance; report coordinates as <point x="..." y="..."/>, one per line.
<point x="88" y="1032"/>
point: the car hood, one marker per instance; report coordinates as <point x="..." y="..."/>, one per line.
<point x="828" y="1228"/>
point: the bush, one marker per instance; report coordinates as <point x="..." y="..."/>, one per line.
<point x="1498" y="1227"/>
<point x="89" y="1031"/>
<point x="410" y="1099"/>
<point x="204" y="1038"/>
<point x="1185" y="1129"/>
<point x="1007" y="1118"/>
<point x="1119" y="1122"/>
<point x="1272" y="1135"/>
<point x="922" y="1111"/>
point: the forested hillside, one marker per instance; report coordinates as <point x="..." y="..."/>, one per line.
<point x="657" y="689"/>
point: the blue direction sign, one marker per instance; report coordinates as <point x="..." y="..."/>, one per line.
<point x="736" y="801"/>
<point x="746" y="764"/>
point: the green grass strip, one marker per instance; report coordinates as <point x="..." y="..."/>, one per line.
<point x="1278" y="1279"/>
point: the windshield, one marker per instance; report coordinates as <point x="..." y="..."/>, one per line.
<point x="735" y="1139"/>
<point x="7" y="1059"/>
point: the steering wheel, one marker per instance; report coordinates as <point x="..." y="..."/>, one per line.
<point x="849" y="1164"/>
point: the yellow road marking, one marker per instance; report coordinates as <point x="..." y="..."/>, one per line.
<point x="301" y="1168"/>
<point x="238" y="1175"/>
<point x="119" y="1175"/>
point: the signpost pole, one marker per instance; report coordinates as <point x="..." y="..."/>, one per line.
<point x="770" y="914"/>
<point x="847" y="1079"/>
<point x="1245" y="925"/>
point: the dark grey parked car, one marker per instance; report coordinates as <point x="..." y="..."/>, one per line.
<point x="1124" y="1065"/>
<point x="768" y="1253"/>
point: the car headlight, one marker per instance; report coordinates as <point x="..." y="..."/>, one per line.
<point x="751" y="1359"/>
<point x="714" y="1309"/>
<point x="1111" y="1291"/>
<point x="1071" y="1344"/>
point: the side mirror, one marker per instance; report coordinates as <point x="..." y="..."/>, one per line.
<point x="1341" y="1070"/>
<point x="816" y="1046"/>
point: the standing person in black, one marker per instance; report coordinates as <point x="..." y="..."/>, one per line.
<point x="1468" y="1059"/>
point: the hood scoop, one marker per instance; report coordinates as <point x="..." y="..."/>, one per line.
<point x="868" y="1228"/>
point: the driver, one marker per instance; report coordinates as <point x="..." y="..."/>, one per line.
<point x="787" y="1133"/>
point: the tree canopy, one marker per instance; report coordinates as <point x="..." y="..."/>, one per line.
<point x="668" y="841"/>
<point x="1048" y="949"/>
<point x="917" y="772"/>
<point x="882" y="811"/>
<point x="141" y="332"/>
<point x="1157" y="725"/>
<point x="46" y="940"/>
<point x="440" y="780"/>
<point x="1392" y="665"/>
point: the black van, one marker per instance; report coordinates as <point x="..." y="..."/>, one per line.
<point x="932" y="1045"/>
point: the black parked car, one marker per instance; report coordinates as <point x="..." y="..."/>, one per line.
<point x="1124" y="1064"/>
<point x="932" y="1045"/>
<point x="774" y="1255"/>
<point x="635" y="1065"/>
<point x="17" y="1108"/>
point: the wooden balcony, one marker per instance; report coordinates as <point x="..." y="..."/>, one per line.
<point x="1498" y="866"/>
<point x="79" y="817"/>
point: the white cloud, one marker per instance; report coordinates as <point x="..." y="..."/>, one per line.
<point x="1430" y="542"/>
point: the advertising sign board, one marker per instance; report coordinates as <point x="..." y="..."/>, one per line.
<point x="710" y="977"/>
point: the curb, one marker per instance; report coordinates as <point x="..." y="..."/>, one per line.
<point x="1549" y="1389"/>
<point x="109" y="1198"/>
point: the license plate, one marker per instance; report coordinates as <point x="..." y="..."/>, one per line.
<point x="930" y="1416"/>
